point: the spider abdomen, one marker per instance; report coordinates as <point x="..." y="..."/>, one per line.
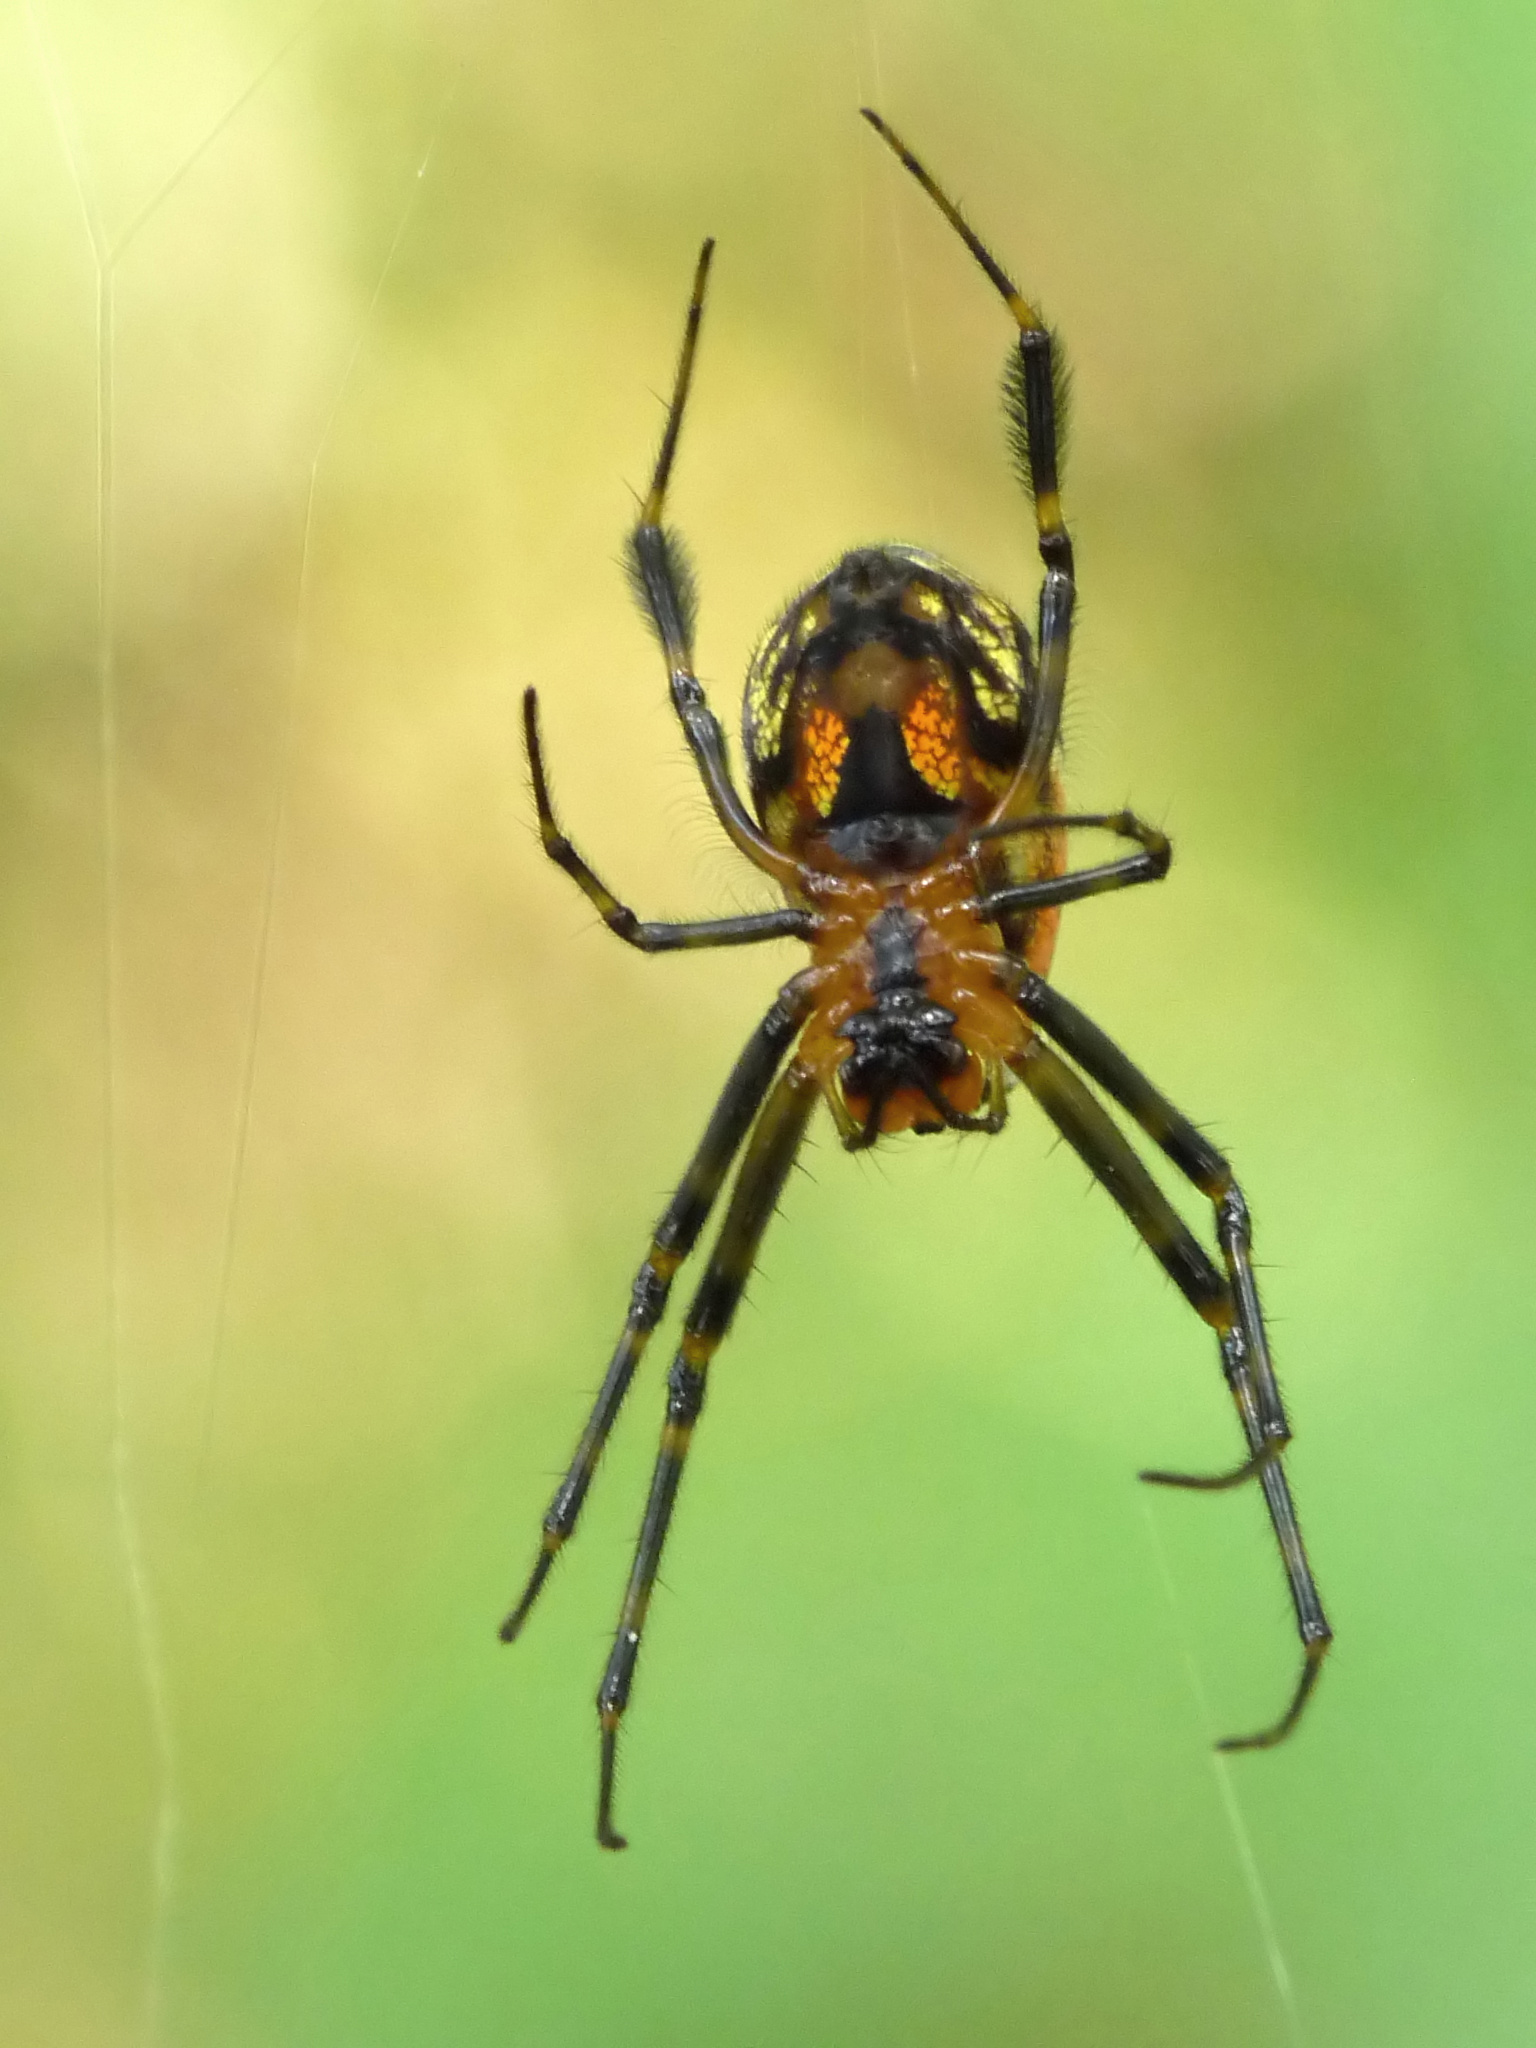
<point x="887" y="709"/>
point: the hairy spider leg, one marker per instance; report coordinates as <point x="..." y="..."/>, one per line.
<point x="1098" y="1141"/>
<point x="675" y="1236"/>
<point x="619" y="918"/>
<point x="1150" y="865"/>
<point x="1034" y="393"/>
<point x="663" y="581"/>
<point x="1245" y="1348"/>
<point x="1093" y="1135"/>
<point x="769" y="1155"/>
<point x="1199" y="1161"/>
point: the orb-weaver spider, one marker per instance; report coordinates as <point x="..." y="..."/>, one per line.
<point x="901" y="737"/>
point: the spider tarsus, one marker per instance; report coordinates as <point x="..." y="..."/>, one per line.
<point x="1219" y="1482"/>
<point x="1271" y="1738"/>
<point x="1233" y="1745"/>
<point x="511" y="1628"/>
<point x="608" y="1836"/>
<point x="534" y="748"/>
<point x="531" y="721"/>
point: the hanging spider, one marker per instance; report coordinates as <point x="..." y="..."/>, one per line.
<point x="901" y="735"/>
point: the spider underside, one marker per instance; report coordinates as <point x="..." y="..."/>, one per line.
<point x="901" y="731"/>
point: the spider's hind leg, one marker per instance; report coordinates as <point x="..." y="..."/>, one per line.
<point x="1245" y="1344"/>
<point x="674" y="1238"/>
<point x="770" y="1154"/>
<point x="1225" y="1306"/>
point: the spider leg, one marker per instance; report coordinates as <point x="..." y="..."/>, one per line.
<point x="1200" y="1163"/>
<point x="991" y="1119"/>
<point x="1150" y="865"/>
<point x="675" y="1236"/>
<point x="1092" y="1133"/>
<point x="663" y="582"/>
<point x="1124" y="822"/>
<point x="769" y="1155"/>
<point x="870" y="1130"/>
<point x="1034" y="393"/>
<point x="619" y="918"/>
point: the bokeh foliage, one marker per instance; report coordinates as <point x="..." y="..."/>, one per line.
<point x="919" y="1754"/>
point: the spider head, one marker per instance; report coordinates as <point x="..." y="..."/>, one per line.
<point x="886" y="710"/>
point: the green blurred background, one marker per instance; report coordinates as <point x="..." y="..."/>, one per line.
<point x="333" y="1124"/>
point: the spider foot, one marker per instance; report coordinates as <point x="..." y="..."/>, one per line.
<point x="1268" y="1738"/>
<point x="1218" y="1482"/>
<point x="608" y="1836"/>
<point x="512" y="1626"/>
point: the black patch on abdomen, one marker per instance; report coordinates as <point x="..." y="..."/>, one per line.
<point x="877" y="775"/>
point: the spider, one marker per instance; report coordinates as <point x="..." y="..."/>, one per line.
<point x="901" y="734"/>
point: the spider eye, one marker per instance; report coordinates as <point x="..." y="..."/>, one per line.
<point x="931" y="730"/>
<point x="824" y="738"/>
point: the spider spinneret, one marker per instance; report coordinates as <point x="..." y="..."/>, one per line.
<point x="901" y="730"/>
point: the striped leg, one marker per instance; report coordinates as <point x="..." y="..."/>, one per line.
<point x="1149" y="865"/>
<point x="769" y="1156"/>
<point x="1227" y="1307"/>
<point x="619" y="918"/>
<point x="1034" y="398"/>
<point x="676" y="1235"/>
<point x="663" y="582"/>
<point x="1199" y="1161"/>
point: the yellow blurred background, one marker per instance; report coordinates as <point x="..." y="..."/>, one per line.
<point x="334" y="1124"/>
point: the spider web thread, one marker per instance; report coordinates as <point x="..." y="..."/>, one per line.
<point x="144" y="1607"/>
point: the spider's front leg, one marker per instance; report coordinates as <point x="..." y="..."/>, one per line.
<point x="1034" y="397"/>
<point x="663" y="582"/>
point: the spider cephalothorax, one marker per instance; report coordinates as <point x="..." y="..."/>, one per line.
<point x="901" y="733"/>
